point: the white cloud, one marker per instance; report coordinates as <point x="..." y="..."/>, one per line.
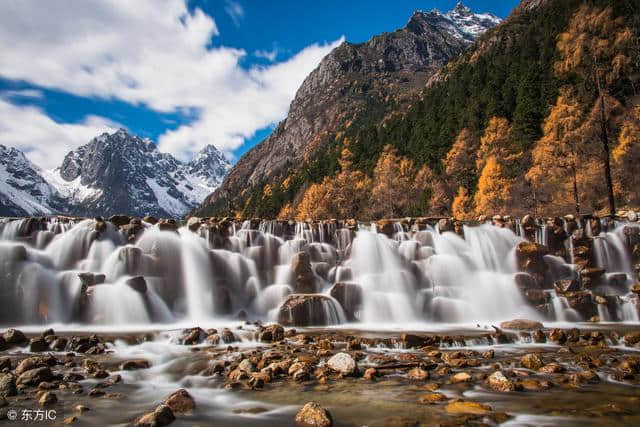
<point x="44" y="141"/>
<point x="156" y="53"/>
<point x="269" y="55"/>
<point x="235" y="11"/>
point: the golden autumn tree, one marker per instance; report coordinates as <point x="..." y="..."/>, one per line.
<point x="498" y="163"/>
<point x="286" y="212"/>
<point x="459" y="163"/>
<point x="393" y="176"/>
<point x="493" y="195"/>
<point x="554" y="171"/>
<point x="341" y="196"/>
<point x="596" y="48"/>
<point x="462" y="206"/>
<point x="626" y="158"/>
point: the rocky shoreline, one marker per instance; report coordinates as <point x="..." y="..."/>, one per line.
<point x="484" y="376"/>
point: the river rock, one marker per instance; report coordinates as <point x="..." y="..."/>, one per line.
<point x="462" y="407"/>
<point x="33" y="377"/>
<point x="349" y="295"/>
<point x="15" y="337"/>
<point x="461" y="377"/>
<point x="532" y="361"/>
<point x="632" y="338"/>
<point x="306" y="310"/>
<point x="530" y="259"/>
<point x="30" y="363"/>
<point x="271" y="333"/>
<point x="36" y="345"/>
<point x="304" y="278"/>
<point x="47" y="398"/>
<point x="521" y="324"/>
<point x="137" y="283"/>
<point x="161" y="416"/>
<point x="499" y="382"/>
<point x="7" y="385"/>
<point x="432" y="398"/>
<point x="343" y="363"/>
<point x="418" y="374"/>
<point x="313" y="415"/>
<point x="131" y="365"/>
<point x="180" y="401"/>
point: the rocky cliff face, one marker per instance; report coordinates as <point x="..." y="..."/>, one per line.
<point x="390" y="67"/>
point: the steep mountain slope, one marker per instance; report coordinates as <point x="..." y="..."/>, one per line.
<point x="353" y="82"/>
<point x="23" y="191"/>
<point x="547" y="87"/>
<point x="121" y="173"/>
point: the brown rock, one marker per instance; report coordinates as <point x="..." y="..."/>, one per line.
<point x="499" y="382"/>
<point x="161" y="416"/>
<point x="47" y="398"/>
<point x="180" y="401"/>
<point x="521" y="324"/>
<point x="431" y="398"/>
<point x="461" y="377"/>
<point x="531" y="361"/>
<point x="131" y="365"/>
<point x="462" y="407"/>
<point x="418" y="374"/>
<point x="313" y="415"/>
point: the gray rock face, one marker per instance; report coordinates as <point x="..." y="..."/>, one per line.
<point x="392" y="65"/>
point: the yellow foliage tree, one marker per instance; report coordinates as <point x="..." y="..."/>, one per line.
<point x="626" y="160"/>
<point x="459" y="163"/>
<point x="341" y="196"/>
<point x="493" y="195"/>
<point x="392" y="180"/>
<point x="462" y="206"/>
<point x="554" y="171"/>
<point x="286" y="213"/>
<point x="597" y="48"/>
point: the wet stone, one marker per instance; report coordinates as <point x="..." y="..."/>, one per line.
<point x="313" y="415"/>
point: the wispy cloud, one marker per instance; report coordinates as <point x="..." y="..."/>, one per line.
<point x="22" y="93"/>
<point x="269" y="55"/>
<point x="235" y="11"/>
<point x="42" y="139"/>
<point x="150" y="53"/>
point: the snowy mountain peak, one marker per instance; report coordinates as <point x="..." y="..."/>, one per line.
<point x="461" y="22"/>
<point x="23" y="191"/>
<point x="113" y="173"/>
<point x="461" y="9"/>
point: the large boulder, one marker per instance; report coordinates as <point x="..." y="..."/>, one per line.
<point x="271" y="333"/>
<point x="313" y="415"/>
<point x="308" y="310"/>
<point x="349" y="295"/>
<point x="343" y="363"/>
<point x="530" y="258"/>
<point x="304" y="278"/>
<point x="15" y="337"/>
<point x="7" y="385"/>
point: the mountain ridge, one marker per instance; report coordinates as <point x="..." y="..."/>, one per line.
<point x="352" y="81"/>
<point x="116" y="173"/>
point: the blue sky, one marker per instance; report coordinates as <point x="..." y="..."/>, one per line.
<point x="185" y="75"/>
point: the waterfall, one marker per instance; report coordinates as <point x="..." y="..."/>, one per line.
<point x="67" y="271"/>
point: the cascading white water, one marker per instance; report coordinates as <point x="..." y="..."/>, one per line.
<point x="420" y="275"/>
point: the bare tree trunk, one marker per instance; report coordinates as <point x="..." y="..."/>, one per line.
<point x="575" y="184"/>
<point x="604" y="137"/>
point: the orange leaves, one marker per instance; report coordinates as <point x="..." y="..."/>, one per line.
<point x="494" y="189"/>
<point x="462" y="206"/>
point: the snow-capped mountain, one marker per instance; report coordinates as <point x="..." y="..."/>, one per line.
<point x="23" y="190"/>
<point x="461" y="22"/>
<point x="112" y="174"/>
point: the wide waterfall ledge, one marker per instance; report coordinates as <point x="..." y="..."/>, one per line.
<point x="409" y="274"/>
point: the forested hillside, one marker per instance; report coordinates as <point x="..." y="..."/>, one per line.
<point x="540" y="115"/>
